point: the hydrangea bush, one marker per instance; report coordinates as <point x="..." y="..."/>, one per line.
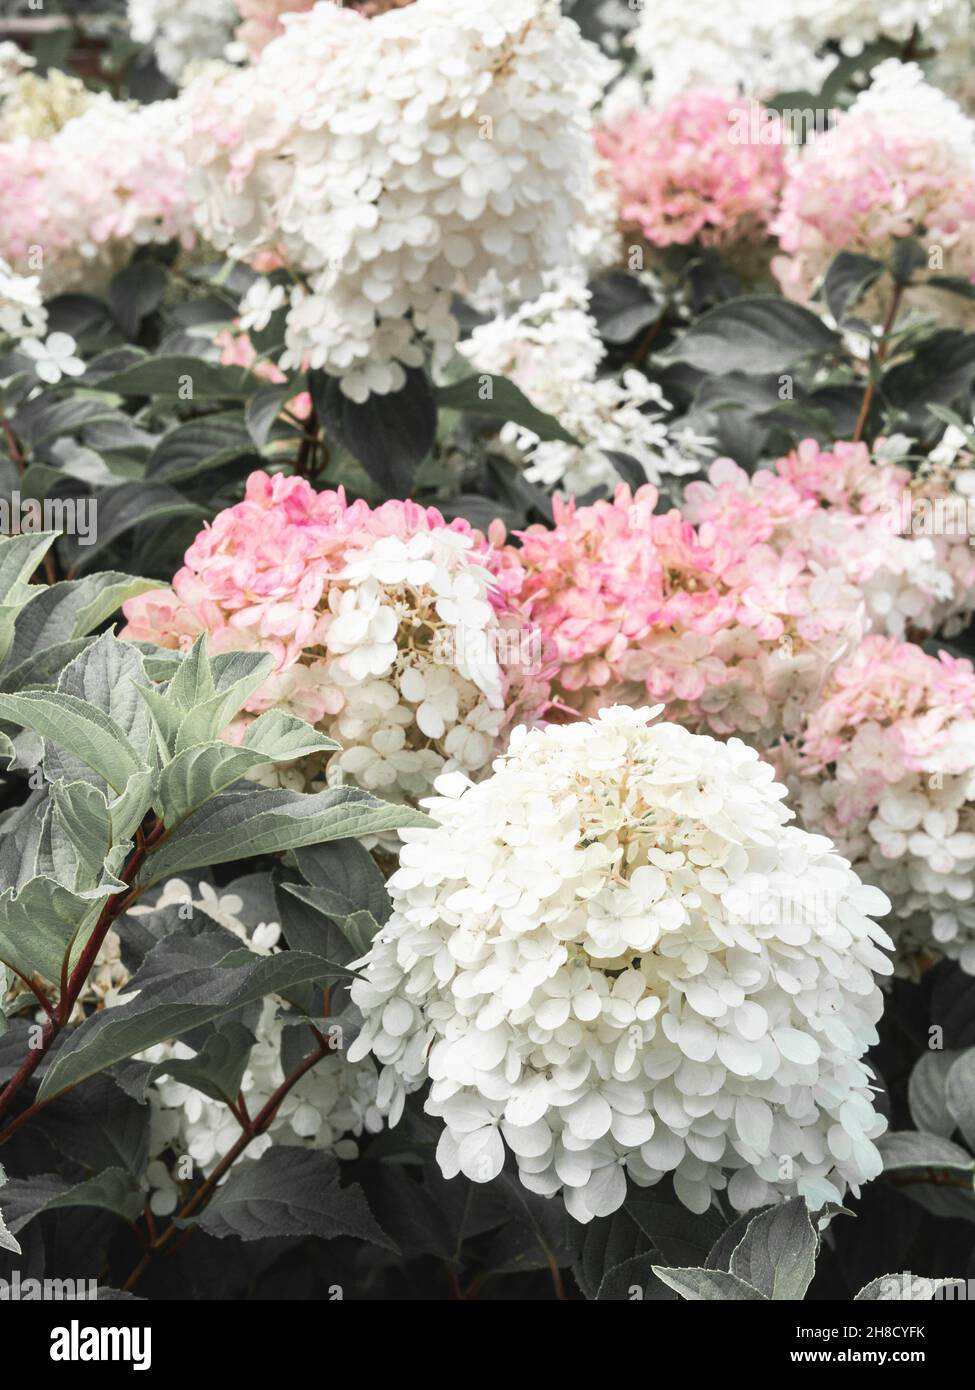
<point x="487" y="702"/>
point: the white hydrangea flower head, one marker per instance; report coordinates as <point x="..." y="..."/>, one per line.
<point x="182" y="32"/>
<point x="391" y="161"/>
<point x="550" y="347"/>
<point x="331" y="1105"/>
<point x="762" y="47"/>
<point x="606" y="957"/>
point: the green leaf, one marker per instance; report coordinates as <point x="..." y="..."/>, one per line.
<point x="135" y="293"/>
<point x="926" y="1093"/>
<point x="201" y="772"/>
<point x="622" y="307"/>
<point x="98" y="1126"/>
<point x="909" y="255"/>
<point x="114" y="1190"/>
<point x="44" y="668"/>
<point x="235" y="676"/>
<point x="239" y="824"/>
<point x="127" y="505"/>
<point x="41" y="922"/>
<point x="496" y="398"/>
<point x="960" y="1095"/>
<point x="708" y="1285"/>
<point x="281" y="738"/>
<point x="755" y="334"/>
<point x="180" y="378"/>
<point x="777" y="1253"/>
<point x="66" y="612"/>
<point x="19" y="558"/>
<point x="81" y="834"/>
<point x="198" y="774"/>
<point x="906" y="1288"/>
<point x="348" y="878"/>
<point x="847" y="280"/>
<point x="263" y="410"/>
<point x="905" y="1149"/>
<point x="358" y="927"/>
<point x="218" y="1068"/>
<point x="289" y="1192"/>
<point x="167" y="1008"/>
<point x="106" y="675"/>
<point x="199" y="445"/>
<point x="71" y="724"/>
<point x="390" y="435"/>
<point x="952" y="284"/>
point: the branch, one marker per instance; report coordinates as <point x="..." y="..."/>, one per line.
<point x="204" y="1192"/>
<point x="114" y="907"/>
<point x="877" y="361"/>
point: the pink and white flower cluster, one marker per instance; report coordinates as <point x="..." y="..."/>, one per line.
<point x="394" y="160"/>
<point x="735" y="636"/>
<point x="899" y="163"/>
<point x="75" y="206"/>
<point x="580" y="962"/>
<point x="681" y="177"/>
<point x="886" y="768"/>
<point x="838" y="510"/>
<point x="388" y="630"/>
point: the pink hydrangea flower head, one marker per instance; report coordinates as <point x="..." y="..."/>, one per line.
<point x="886" y="767"/>
<point x="682" y="176"/>
<point x="387" y="628"/>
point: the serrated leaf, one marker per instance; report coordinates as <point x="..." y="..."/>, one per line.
<point x="235" y="677"/>
<point x="359" y="927"/>
<point x="105" y="676"/>
<point x="79" y="728"/>
<point x="199" y="773"/>
<point x="905" y="1149"/>
<point x="777" y="1253"/>
<point x="905" y="1288"/>
<point x="114" y="1190"/>
<point x="622" y="307"/>
<point x="238" y="824"/>
<point x="41" y="922"/>
<point x="19" y="558"/>
<point x="290" y="1192"/>
<point x="708" y="1285"/>
<point x="81" y="834"/>
<point x="135" y="293"/>
<point x="99" y="1125"/>
<point x="167" y="1008"/>
<point x="70" y="610"/>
